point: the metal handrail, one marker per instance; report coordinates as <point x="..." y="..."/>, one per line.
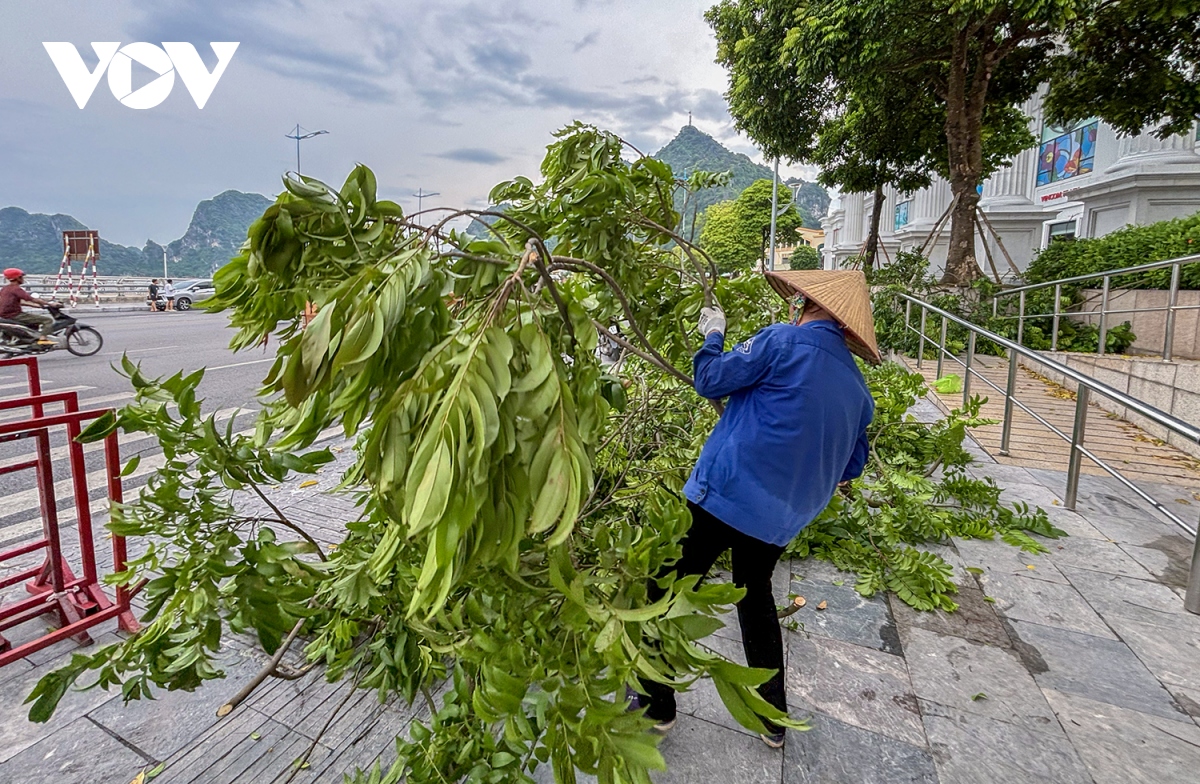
<point x="1106" y="277"/>
<point x="1086" y="385"/>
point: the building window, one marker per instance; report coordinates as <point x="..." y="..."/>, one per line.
<point x="1066" y="152"/>
<point x="1063" y="230"/>
<point x="901" y="215"/>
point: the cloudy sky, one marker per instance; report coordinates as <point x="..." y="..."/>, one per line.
<point x="447" y="96"/>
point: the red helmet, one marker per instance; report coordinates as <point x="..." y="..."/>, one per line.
<point x="12" y="273"/>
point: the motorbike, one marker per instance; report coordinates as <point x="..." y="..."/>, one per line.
<point x="17" y="339"/>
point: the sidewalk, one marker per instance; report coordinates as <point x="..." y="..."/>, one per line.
<point x="1077" y="666"/>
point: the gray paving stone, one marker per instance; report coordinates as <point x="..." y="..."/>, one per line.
<point x="162" y="726"/>
<point x="1032" y="493"/>
<point x="1075" y="524"/>
<point x="1189" y="700"/>
<point x="972" y="749"/>
<point x="1098" y="555"/>
<point x="861" y="686"/>
<point x="17" y="733"/>
<point x="1113" y="596"/>
<point x="702" y="700"/>
<point x="954" y="672"/>
<point x="1041" y="599"/>
<point x="997" y="557"/>
<point x="1099" y="669"/>
<point x="80" y="753"/>
<point x="1170" y="652"/>
<point x="1136" y="531"/>
<point x="1002" y="474"/>
<point x="1121" y="746"/>
<point x="834" y="752"/>
<point x="849" y="616"/>
<point x="697" y="750"/>
<point x="975" y="619"/>
<point x="1113" y="502"/>
<point x="1167" y="558"/>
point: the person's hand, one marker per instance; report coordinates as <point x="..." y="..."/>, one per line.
<point x="712" y="320"/>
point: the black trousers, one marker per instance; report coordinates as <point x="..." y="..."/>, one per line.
<point x="753" y="563"/>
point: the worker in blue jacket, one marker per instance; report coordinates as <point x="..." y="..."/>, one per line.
<point x="793" y="429"/>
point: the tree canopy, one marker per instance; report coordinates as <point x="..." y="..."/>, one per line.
<point x="736" y="233"/>
<point x="798" y="70"/>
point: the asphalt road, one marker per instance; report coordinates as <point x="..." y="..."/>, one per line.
<point x="163" y="344"/>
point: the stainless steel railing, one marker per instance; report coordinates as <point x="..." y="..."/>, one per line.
<point x="1086" y="385"/>
<point x="1105" y="277"/>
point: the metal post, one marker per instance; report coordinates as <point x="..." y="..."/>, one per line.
<point x="1057" y="310"/>
<point x="1103" y="318"/>
<point x="1169" y="338"/>
<point x="1191" y="601"/>
<point x="774" y="212"/>
<point x="941" y="348"/>
<point x="1006" y="428"/>
<point x="967" y="369"/>
<point x="1082" y="394"/>
<point x="921" y="341"/>
<point x="1021" y="320"/>
<point x="907" y="315"/>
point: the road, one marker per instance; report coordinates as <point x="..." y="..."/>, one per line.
<point x="163" y="344"/>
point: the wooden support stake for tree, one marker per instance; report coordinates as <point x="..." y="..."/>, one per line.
<point x="987" y="250"/>
<point x="936" y="232"/>
<point x="999" y="242"/>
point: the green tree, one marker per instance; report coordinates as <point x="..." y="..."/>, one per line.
<point x="514" y="497"/>
<point x="736" y="233"/>
<point x="1134" y="63"/>
<point x="804" y="258"/>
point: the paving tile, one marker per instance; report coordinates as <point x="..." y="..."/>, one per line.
<point x="1099" y="669"/>
<point x="79" y="753"/>
<point x="861" y="686"/>
<point x="697" y="750"/>
<point x="161" y="726"/>
<point x="1170" y="652"/>
<point x="1127" y="747"/>
<point x="1075" y="524"/>
<point x="997" y="557"/>
<point x="1041" y="599"/>
<point x="834" y="752"/>
<point x="1167" y="557"/>
<point x="848" y="616"/>
<point x="17" y="733"/>
<point x="1113" y="596"/>
<point x="1003" y="474"/>
<point x="1189" y="700"/>
<point x="975" y="619"/>
<point x="972" y="749"/>
<point x="1138" y="531"/>
<point x="974" y="678"/>
<point x="1098" y="555"/>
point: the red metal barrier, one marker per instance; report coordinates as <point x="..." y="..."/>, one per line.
<point x="77" y="603"/>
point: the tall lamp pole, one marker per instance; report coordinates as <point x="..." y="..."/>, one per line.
<point x="774" y="213"/>
<point x="299" y="134"/>
<point x="422" y="195"/>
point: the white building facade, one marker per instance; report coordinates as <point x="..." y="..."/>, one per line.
<point x="1081" y="181"/>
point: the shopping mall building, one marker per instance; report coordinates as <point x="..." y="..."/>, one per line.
<point x="1080" y="181"/>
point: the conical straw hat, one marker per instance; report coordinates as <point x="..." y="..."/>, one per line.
<point x="841" y="292"/>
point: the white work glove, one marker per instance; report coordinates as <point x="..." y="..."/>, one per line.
<point x="712" y="320"/>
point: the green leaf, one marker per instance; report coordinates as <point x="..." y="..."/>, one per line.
<point x="100" y="428"/>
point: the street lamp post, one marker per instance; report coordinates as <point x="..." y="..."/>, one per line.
<point x="299" y="134"/>
<point x="422" y="195"/>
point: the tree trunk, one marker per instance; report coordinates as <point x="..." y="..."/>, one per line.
<point x="962" y="268"/>
<point x="872" y="248"/>
<point x="966" y="94"/>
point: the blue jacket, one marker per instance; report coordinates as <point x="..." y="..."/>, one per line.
<point x="794" y="426"/>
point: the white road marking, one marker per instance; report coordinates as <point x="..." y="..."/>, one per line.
<point x="242" y="364"/>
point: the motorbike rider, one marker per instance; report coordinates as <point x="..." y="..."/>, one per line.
<point x="12" y="294"/>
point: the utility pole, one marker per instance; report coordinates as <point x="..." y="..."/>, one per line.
<point x="774" y="210"/>
<point x="299" y="134"/>
<point x="421" y="196"/>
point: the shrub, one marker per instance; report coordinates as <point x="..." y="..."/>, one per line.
<point x="804" y="258"/>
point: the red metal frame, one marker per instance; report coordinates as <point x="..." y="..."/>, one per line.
<point x="78" y="603"/>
